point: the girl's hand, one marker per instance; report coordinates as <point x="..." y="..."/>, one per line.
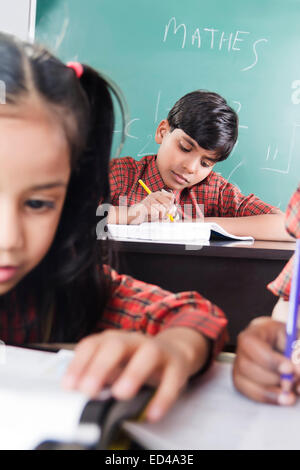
<point x="154" y="207"/>
<point x="128" y="360"/>
<point x="260" y="362"/>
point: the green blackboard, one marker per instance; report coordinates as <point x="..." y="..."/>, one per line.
<point x="158" y="50"/>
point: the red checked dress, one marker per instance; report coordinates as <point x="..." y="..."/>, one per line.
<point x="135" y="306"/>
<point x="220" y="198"/>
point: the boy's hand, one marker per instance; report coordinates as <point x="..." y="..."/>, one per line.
<point x="154" y="207"/>
<point x="127" y="360"/>
<point x="260" y="362"/>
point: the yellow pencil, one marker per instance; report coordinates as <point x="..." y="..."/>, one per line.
<point x="149" y="192"/>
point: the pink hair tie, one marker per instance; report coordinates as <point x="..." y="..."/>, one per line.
<point x="77" y="67"/>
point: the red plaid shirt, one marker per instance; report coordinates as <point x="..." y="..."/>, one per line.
<point x="282" y="284"/>
<point x="136" y="306"/>
<point x="220" y="198"/>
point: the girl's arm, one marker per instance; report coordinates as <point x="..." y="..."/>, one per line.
<point x="127" y="360"/>
<point x="151" y="336"/>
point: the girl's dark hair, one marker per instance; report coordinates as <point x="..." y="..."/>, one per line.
<point x="69" y="282"/>
<point x="206" y="118"/>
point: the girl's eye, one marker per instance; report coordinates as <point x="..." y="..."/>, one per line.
<point x="204" y="164"/>
<point x="36" y="204"/>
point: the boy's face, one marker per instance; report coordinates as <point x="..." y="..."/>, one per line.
<point x="34" y="174"/>
<point x="180" y="160"/>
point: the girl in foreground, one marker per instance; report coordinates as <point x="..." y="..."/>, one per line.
<point x="56" y="130"/>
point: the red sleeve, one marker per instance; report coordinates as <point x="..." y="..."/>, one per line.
<point x="122" y="176"/>
<point x="116" y="180"/>
<point x="292" y="219"/>
<point x="281" y="286"/>
<point x="233" y="203"/>
<point x="137" y="306"/>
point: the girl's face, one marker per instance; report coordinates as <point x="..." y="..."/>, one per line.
<point x="34" y="175"/>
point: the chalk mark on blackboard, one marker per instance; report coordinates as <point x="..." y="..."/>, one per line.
<point x="176" y="28"/>
<point x="269" y="151"/>
<point x="128" y="126"/>
<point x="157" y="106"/>
<point x="222" y="40"/>
<point x="239" y="106"/>
<point x="142" y="153"/>
<point x="197" y="36"/>
<point x="212" y="30"/>
<point x="238" y="110"/>
<point x="255" y="53"/>
<point x="126" y="130"/>
<point x="62" y="34"/>
<point x="296" y="94"/>
<point x="234" y="170"/>
<point x="234" y="148"/>
<point x="217" y="38"/>
<point x="292" y="145"/>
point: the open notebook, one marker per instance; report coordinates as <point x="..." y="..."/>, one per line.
<point x="213" y="415"/>
<point x="210" y="414"/>
<point x="178" y="232"/>
<point x="34" y="408"/>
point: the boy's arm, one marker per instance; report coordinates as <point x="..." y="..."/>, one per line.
<point x="261" y="227"/>
<point x="247" y="215"/>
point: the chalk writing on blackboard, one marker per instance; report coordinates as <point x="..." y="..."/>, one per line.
<point x="127" y="127"/>
<point x="274" y="154"/>
<point x="212" y="38"/>
<point x="296" y="127"/>
<point x="296" y="94"/>
<point x="157" y="107"/>
<point x="149" y="141"/>
<point x="239" y="107"/>
<point x="234" y="170"/>
<point x="255" y="53"/>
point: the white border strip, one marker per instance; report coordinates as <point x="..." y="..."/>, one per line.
<point x="31" y="20"/>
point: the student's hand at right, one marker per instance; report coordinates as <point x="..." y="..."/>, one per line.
<point x="153" y="208"/>
<point x="260" y="362"/>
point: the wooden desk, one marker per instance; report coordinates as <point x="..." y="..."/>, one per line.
<point x="233" y="277"/>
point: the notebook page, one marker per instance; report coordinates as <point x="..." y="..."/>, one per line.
<point x="33" y="406"/>
<point x="220" y="230"/>
<point x="162" y="232"/>
<point x="213" y="415"/>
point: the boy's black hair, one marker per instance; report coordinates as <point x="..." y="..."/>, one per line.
<point x="69" y="282"/>
<point x="206" y="118"/>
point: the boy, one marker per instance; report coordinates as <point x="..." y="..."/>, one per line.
<point x="260" y="360"/>
<point x="200" y="130"/>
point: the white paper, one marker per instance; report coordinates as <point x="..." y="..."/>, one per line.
<point x="167" y="232"/>
<point x="213" y="415"/>
<point x="33" y="405"/>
